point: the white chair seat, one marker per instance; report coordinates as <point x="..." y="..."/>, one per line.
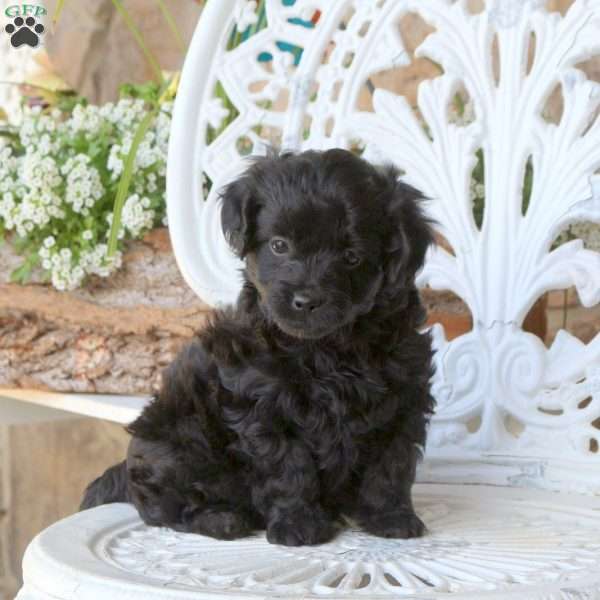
<point x="484" y="542"/>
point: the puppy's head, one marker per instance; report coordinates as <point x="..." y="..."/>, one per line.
<point x="326" y="237"/>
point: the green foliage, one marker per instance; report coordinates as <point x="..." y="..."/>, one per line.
<point x="148" y="92"/>
<point x="156" y="96"/>
<point x="60" y="172"/>
<point x="126" y="178"/>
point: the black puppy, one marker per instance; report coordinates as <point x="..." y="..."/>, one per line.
<point x="310" y="399"/>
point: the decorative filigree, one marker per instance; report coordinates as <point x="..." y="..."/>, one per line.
<point x="495" y="373"/>
<point x="501" y="545"/>
<point x="245" y="14"/>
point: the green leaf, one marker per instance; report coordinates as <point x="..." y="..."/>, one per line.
<point x="22" y="274"/>
<point x="20" y="244"/>
<point x="125" y="179"/>
<point x="149" y="91"/>
<point x="19" y="275"/>
<point x="67" y="101"/>
<point x="9" y="132"/>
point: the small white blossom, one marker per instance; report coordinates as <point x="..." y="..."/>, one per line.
<point x="136" y="216"/>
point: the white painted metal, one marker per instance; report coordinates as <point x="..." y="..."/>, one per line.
<point x="19" y="405"/>
<point x="483" y="543"/>
<point x="510" y="411"/>
<point x="500" y="391"/>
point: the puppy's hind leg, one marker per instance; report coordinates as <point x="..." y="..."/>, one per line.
<point x="189" y="493"/>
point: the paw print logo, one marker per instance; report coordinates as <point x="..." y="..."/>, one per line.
<point x="24" y="31"/>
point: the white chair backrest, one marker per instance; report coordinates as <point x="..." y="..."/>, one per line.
<point x="510" y="410"/>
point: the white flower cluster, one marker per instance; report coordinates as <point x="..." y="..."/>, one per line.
<point x="58" y="180"/>
<point x="153" y="149"/>
<point x="29" y="191"/>
<point x="37" y="131"/>
<point x="8" y="184"/>
<point x="137" y="215"/>
<point x="67" y="273"/>
<point x="83" y="184"/>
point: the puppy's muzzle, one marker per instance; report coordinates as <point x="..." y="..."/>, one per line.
<point x="307" y="301"/>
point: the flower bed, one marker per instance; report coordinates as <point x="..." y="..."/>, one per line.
<point x="59" y="173"/>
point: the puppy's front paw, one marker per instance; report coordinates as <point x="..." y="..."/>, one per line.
<point x="300" y="527"/>
<point x="396" y="524"/>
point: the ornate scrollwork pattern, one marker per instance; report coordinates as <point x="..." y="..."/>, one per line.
<point x="503" y="545"/>
<point x="496" y="373"/>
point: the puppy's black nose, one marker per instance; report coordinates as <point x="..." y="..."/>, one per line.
<point x="306" y="301"/>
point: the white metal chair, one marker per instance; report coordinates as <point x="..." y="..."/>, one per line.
<point x="509" y="487"/>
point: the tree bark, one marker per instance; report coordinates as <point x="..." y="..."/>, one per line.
<point x="114" y="336"/>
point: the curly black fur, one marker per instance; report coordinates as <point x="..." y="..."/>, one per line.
<point x="310" y="399"/>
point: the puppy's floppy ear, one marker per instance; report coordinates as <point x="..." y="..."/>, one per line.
<point x="238" y="215"/>
<point x="413" y="232"/>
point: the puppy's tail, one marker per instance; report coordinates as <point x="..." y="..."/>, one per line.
<point x="109" y="487"/>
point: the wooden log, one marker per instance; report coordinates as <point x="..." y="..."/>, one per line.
<point x="114" y="336"/>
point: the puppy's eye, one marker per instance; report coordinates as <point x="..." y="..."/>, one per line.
<point x="279" y="246"/>
<point x="352" y="259"/>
